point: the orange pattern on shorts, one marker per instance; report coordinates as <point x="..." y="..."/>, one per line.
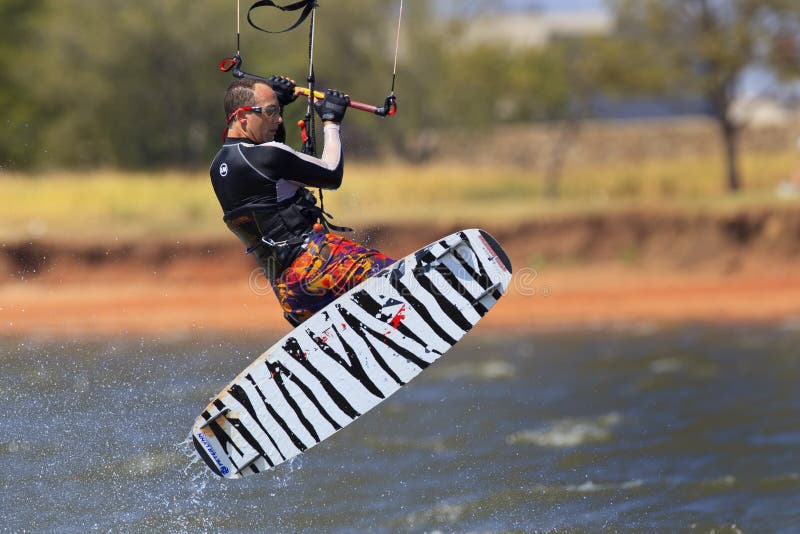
<point x="329" y="266"/>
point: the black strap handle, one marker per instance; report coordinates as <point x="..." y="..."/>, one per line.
<point x="306" y="5"/>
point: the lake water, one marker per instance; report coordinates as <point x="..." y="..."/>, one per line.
<point x="686" y="429"/>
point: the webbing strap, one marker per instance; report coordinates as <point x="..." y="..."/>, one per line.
<point x="306" y="5"/>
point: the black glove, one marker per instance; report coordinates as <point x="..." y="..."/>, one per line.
<point x="284" y="89"/>
<point x="333" y="107"/>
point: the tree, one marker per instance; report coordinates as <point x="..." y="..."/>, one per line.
<point x="131" y="84"/>
<point x="136" y="84"/>
<point x="577" y="60"/>
<point x="17" y="136"/>
<point x="703" y="47"/>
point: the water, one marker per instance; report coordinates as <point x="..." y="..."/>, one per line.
<point x="689" y="429"/>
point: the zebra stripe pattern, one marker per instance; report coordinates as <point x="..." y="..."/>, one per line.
<point x="352" y="355"/>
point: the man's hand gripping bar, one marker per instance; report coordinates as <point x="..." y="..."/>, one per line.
<point x="389" y="107"/>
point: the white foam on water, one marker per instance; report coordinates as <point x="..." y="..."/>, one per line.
<point x="732" y="528"/>
<point x="485" y="370"/>
<point x="590" y="486"/>
<point x="447" y="513"/>
<point x="632" y="484"/>
<point x="666" y="366"/>
<point x="399" y="444"/>
<point x="283" y="475"/>
<point x="16" y="446"/>
<point x="569" y="432"/>
<point x="587" y="487"/>
<point x="195" y="470"/>
<point x="150" y="463"/>
<point x="721" y="482"/>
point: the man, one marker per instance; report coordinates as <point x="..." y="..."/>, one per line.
<point x="261" y="185"/>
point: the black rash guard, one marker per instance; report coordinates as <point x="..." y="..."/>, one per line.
<point x="262" y="191"/>
<point x="245" y="174"/>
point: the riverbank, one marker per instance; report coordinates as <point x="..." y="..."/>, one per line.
<point x="132" y="305"/>
<point x="593" y="271"/>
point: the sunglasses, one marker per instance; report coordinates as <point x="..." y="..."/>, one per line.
<point x="270" y="110"/>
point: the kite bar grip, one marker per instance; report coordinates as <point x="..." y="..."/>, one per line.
<point x="389" y="107"/>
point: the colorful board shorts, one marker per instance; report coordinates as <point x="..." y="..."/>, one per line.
<point x="328" y="267"/>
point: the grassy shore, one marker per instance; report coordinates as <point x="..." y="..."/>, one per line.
<point x="108" y="205"/>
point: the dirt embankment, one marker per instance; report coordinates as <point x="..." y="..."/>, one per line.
<point x="636" y="266"/>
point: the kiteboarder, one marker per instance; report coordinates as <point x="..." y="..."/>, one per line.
<point x="262" y="187"/>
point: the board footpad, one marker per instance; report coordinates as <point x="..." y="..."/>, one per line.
<point x="489" y="292"/>
<point x="247" y="463"/>
<point x="213" y="418"/>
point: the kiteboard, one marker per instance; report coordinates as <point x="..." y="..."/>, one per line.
<point x="351" y="355"/>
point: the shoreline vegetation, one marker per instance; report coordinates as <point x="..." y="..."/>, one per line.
<point x="610" y="166"/>
<point x="644" y="237"/>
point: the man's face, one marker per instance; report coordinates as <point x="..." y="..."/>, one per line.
<point x="261" y="127"/>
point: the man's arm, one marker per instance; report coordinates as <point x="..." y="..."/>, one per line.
<point x="276" y="160"/>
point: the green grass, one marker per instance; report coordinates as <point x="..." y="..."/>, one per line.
<point x="108" y="205"/>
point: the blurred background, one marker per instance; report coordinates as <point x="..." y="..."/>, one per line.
<point x="639" y="160"/>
